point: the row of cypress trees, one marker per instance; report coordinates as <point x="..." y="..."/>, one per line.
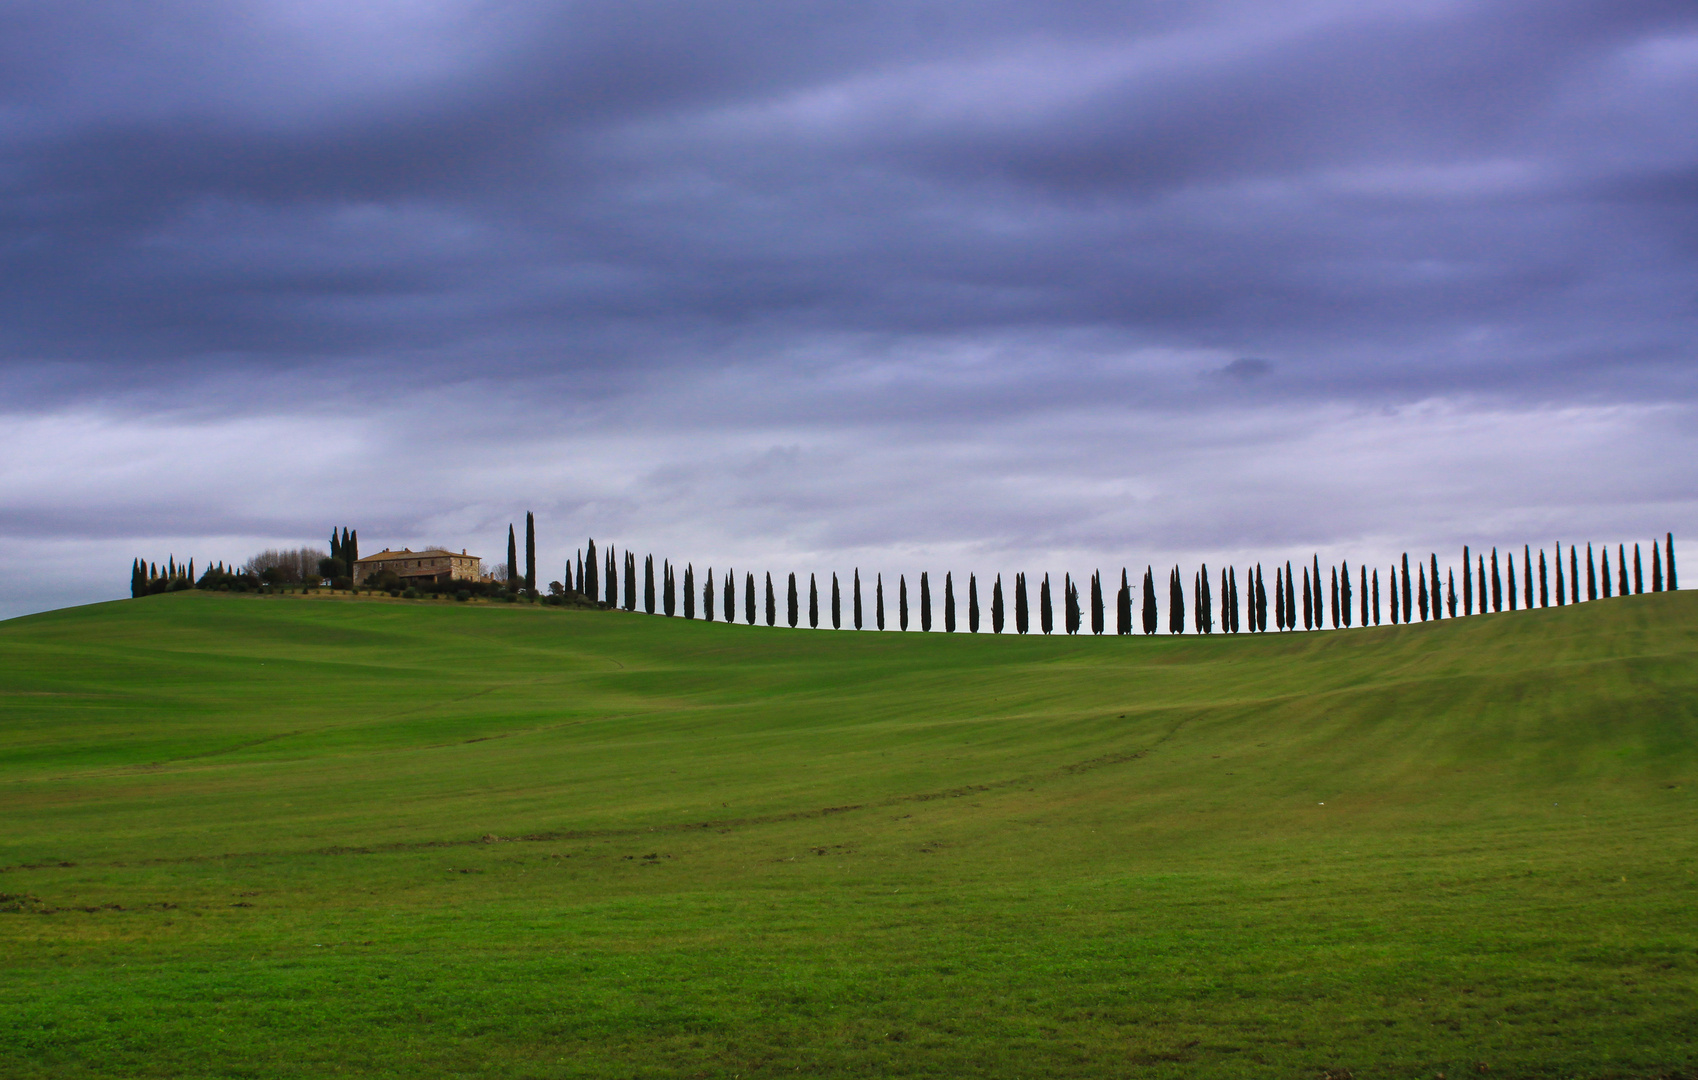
<point x="148" y="578"/>
<point x="1341" y="593"/>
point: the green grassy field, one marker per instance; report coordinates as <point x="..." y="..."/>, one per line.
<point x="294" y="837"/>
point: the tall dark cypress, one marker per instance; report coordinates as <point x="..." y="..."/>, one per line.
<point x="571" y="581"/>
<point x="1497" y="585"/>
<point x="1544" y="585"/>
<point x="690" y="590"/>
<point x="512" y="560"/>
<point x="749" y="615"/>
<point x="1175" y="603"/>
<point x="1335" y="598"/>
<point x="1097" y="612"/>
<point x="1450" y="590"/>
<point x="771" y="602"/>
<point x="1638" y="573"/>
<point x="1046" y="611"/>
<point x="949" y="602"/>
<point x="972" y="602"/>
<point x="1022" y="612"/>
<point x="1669" y="554"/>
<point x="791" y="602"/>
<point x="1232" y="598"/>
<point x="1290" y="598"/>
<point x="669" y="590"/>
<point x="1376" y="597"/>
<point x="857" y="588"/>
<point x="630" y="580"/>
<point x="925" y="602"/>
<point x="1279" y="598"/>
<point x="1421" y="597"/>
<point x="1561" y="586"/>
<point x="1071" y="616"/>
<point x="1261" y="602"/>
<point x="1345" y="608"/>
<point x="1123" y="605"/>
<point x="1408" y="593"/>
<point x="1621" y="570"/>
<point x="1605" y="570"/>
<point x="1509" y="566"/>
<point x="1320" y="607"/>
<point x="530" y="553"/>
<point x="1151" y="613"/>
<point x="710" y="584"/>
<point x="1433" y="565"/>
<point x="648" y="584"/>
<point x="730" y="597"/>
<point x="1308" y="606"/>
<point x="879" y="602"/>
<point x="902" y="601"/>
<point x="611" y="564"/>
<point x="1468" y="583"/>
<point x="813" y="602"/>
<point x="836" y="603"/>
<point x="589" y="581"/>
<point x="996" y="605"/>
<point x="1574" y="574"/>
<point x="1364" y="572"/>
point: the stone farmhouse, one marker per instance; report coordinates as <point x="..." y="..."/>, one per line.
<point x="432" y="565"/>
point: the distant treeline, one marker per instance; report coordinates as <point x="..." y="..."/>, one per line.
<point x="1307" y="595"/>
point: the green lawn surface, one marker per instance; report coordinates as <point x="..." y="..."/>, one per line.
<point x="285" y="836"/>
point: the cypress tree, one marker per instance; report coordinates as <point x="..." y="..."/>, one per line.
<point x="353" y="549"/>
<point x="630" y="581"/>
<point x="749" y="615"/>
<point x="1320" y="613"/>
<point x="1433" y="563"/>
<point x="1097" y="612"/>
<point x="709" y="582"/>
<point x="730" y="597"/>
<point x="1335" y="598"/>
<point x="648" y="584"/>
<point x="948" y="602"/>
<point x="570" y="582"/>
<point x="1561" y="585"/>
<point x="587" y="577"/>
<point x="1232" y="592"/>
<point x="1468" y="582"/>
<point x="1150" y="611"/>
<point x="1408" y="608"/>
<point x="1344" y="593"/>
<point x="690" y="591"/>
<point x="1046" y="611"/>
<point x="1175" y="603"/>
<point x="611" y="564"/>
<point x="1022" y="614"/>
<point x="1290" y="598"/>
<point x="879" y="609"/>
<point x="1480" y="562"/>
<point x="791" y="602"/>
<point x="1621" y="570"/>
<point x="972" y="602"/>
<point x="1544" y="589"/>
<point x="1422" y="598"/>
<point x="1071" y="615"/>
<point x="1573" y="575"/>
<point x="1606" y="570"/>
<point x="1450" y="589"/>
<point x="1279" y="598"/>
<point x="1497" y="585"/>
<point x="1364" y="572"/>
<point x="1509" y="565"/>
<point x="1123" y="605"/>
<point x="1527" y="576"/>
<point x="512" y="560"/>
<point x="902" y="601"/>
<point x="996" y="605"/>
<point x="1673" y="583"/>
<point x="1376" y="598"/>
<point x="1204" y="601"/>
<point x="925" y="602"/>
<point x="669" y="586"/>
<point x="813" y="603"/>
<point x="1638" y="573"/>
<point x="1261" y="601"/>
<point x="771" y="602"/>
<point x="530" y="553"/>
<point x="836" y="603"/>
<point x="1656" y="568"/>
<point x="1308" y="606"/>
<point x="857" y="598"/>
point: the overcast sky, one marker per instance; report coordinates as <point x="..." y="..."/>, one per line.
<point x="982" y="286"/>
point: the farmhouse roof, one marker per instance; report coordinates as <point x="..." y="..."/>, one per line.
<point x="387" y="556"/>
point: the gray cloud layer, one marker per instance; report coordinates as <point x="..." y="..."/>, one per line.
<point x="692" y="232"/>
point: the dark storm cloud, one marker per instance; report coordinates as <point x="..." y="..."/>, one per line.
<point x="1394" y="198"/>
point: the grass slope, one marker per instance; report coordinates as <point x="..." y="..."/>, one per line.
<point x="288" y="837"/>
